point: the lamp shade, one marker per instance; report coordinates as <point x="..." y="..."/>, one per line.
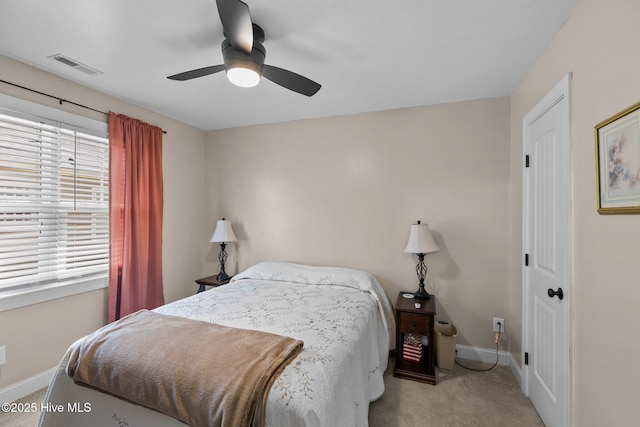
<point x="420" y="240"/>
<point x="223" y="232"/>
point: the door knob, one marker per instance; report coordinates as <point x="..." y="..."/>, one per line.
<point x="553" y="293"/>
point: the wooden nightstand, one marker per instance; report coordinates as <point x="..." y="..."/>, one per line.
<point x="419" y="321"/>
<point x="210" y="281"/>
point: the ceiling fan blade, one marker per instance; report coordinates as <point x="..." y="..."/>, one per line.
<point x="200" y="72"/>
<point x="236" y="22"/>
<point x="290" y="80"/>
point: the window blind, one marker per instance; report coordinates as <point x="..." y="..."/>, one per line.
<point x="54" y="207"/>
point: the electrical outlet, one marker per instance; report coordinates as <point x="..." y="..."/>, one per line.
<point x="3" y="355"/>
<point x="496" y="327"/>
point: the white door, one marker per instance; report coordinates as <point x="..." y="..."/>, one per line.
<point x="547" y="253"/>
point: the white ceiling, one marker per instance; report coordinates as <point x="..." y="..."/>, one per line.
<point x="369" y="55"/>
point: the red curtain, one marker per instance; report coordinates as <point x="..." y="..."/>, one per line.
<point x="135" y="216"/>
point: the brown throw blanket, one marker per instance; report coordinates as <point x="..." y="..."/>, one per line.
<point x="200" y="373"/>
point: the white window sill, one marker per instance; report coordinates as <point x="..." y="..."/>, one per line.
<point x="35" y="295"/>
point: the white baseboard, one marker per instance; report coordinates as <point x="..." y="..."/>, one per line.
<point x="489" y="356"/>
<point x="482" y="354"/>
<point x="27" y="386"/>
<point x="516" y="370"/>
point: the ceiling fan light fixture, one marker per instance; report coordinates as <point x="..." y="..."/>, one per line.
<point x="243" y="77"/>
<point x="244" y="70"/>
<point x="244" y="55"/>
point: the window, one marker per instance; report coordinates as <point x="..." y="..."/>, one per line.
<point x="54" y="225"/>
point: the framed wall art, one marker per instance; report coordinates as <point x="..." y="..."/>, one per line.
<point x="618" y="162"/>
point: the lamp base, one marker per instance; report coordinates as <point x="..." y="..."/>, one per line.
<point x="223" y="277"/>
<point x="421" y="293"/>
<point x="222" y="257"/>
<point x="421" y="271"/>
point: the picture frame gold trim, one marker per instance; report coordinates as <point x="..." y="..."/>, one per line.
<point x="617" y="143"/>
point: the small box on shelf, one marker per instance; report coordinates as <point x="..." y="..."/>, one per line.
<point x="412" y="348"/>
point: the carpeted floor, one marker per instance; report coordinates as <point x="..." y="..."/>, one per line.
<point x="461" y="398"/>
<point x="29" y="419"/>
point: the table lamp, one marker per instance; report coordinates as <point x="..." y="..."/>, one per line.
<point x="420" y="243"/>
<point x="223" y="234"/>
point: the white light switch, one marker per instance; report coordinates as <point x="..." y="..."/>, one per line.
<point x="3" y="355"/>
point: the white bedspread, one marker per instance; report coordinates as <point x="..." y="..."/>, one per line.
<point x="342" y="315"/>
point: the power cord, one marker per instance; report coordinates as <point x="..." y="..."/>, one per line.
<point x="497" y="355"/>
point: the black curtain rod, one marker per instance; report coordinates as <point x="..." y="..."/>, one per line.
<point x="61" y="100"/>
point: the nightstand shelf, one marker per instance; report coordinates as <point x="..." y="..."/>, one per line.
<point x="419" y="321"/>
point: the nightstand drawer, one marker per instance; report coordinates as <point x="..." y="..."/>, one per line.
<point x="414" y="323"/>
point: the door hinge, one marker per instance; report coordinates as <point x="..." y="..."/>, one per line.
<point x="526" y="260"/>
<point x="526" y="358"/>
<point x="526" y="161"/>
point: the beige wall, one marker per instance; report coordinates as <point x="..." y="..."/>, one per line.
<point x="599" y="45"/>
<point x="36" y="336"/>
<point x="344" y="190"/>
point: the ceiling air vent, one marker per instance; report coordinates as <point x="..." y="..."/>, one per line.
<point x="75" y="64"/>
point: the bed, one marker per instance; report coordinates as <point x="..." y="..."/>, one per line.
<point x="342" y="315"/>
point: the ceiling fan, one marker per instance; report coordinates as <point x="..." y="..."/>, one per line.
<point x="244" y="54"/>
